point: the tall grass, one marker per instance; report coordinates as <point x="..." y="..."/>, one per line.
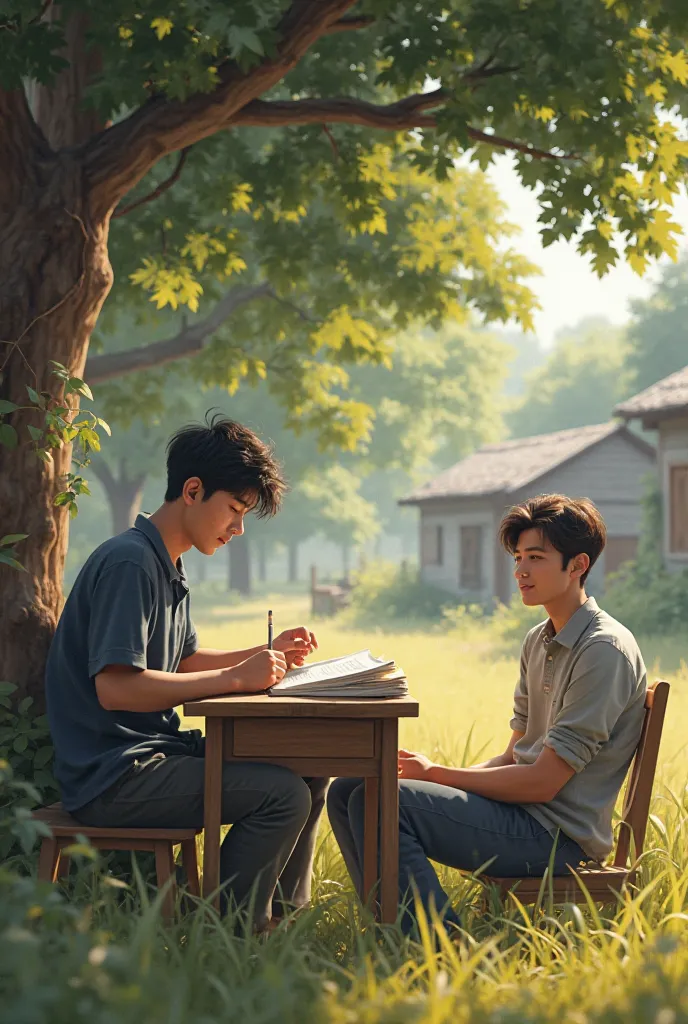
<point x="99" y="953"/>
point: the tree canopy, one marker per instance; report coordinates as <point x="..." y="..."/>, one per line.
<point x="323" y="289"/>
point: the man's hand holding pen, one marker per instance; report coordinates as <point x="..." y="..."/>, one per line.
<point x="296" y="644"/>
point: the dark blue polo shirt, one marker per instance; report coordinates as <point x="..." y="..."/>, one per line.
<point x="129" y="606"/>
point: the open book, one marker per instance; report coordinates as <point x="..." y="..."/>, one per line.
<point x="355" y="675"/>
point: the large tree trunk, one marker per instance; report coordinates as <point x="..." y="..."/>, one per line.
<point x="293" y="550"/>
<point x="124" y="493"/>
<point x="54" y="277"/>
<point x="240" y="565"/>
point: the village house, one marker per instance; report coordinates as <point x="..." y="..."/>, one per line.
<point x="461" y="508"/>
<point x="664" y="407"/>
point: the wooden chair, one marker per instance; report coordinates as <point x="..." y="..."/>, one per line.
<point x="54" y="862"/>
<point x="604" y="882"/>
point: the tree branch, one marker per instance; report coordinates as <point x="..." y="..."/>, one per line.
<point x="404" y="114"/>
<point x="116" y="159"/>
<point x="188" y="342"/>
<point x="349" y="25"/>
<point x="162" y="187"/>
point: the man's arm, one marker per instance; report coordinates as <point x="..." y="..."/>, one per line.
<point x="295" y="644"/>
<point x="536" y="783"/>
<point x="206" y="659"/>
<point x="125" y="688"/>
<point x="501" y="760"/>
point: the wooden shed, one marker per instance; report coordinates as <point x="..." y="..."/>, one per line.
<point x="461" y="508"/>
<point x="664" y="407"/>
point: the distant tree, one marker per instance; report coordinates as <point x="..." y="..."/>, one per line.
<point x="579" y="382"/>
<point x="344" y="517"/>
<point x="658" y="334"/>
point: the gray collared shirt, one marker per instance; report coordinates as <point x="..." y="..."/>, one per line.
<point x="582" y="693"/>
<point x="129" y="606"/>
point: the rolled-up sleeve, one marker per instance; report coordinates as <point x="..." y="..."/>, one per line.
<point x="519" y="721"/>
<point x="602" y="683"/>
<point x="122" y="608"/>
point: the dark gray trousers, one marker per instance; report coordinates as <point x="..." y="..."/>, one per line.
<point x="274" y="814"/>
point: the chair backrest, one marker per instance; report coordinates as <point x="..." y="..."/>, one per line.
<point x="639" y="791"/>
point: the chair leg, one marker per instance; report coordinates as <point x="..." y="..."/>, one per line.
<point x="47" y="859"/>
<point x="164" y="868"/>
<point x="190" y="862"/>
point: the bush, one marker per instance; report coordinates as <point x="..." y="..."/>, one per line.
<point x="643" y="595"/>
<point x="385" y="594"/>
<point x="656" y="604"/>
<point x="27" y="750"/>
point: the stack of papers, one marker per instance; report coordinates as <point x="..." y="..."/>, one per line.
<point x="355" y="675"/>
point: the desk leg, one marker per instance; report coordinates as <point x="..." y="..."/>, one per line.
<point x="212" y="808"/>
<point x="370" y="832"/>
<point x="389" y="821"/>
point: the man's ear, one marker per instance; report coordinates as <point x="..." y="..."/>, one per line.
<point x="580" y="565"/>
<point x="192" y="490"/>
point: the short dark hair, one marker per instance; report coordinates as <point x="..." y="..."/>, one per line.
<point x="225" y="456"/>
<point x="573" y="526"/>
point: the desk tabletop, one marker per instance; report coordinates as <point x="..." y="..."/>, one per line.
<point x="261" y="705"/>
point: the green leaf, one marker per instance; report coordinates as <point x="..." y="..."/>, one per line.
<point x="35" y="432"/>
<point x="64" y="498"/>
<point x="44" y="455"/>
<point x="24" y="705"/>
<point x="242" y="38"/>
<point x="105" y="426"/>
<point x="81" y="387"/>
<point x="8" y="436"/>
<point x="35" y="397"/>
<point x="6" y="406"/>
<point x="12" y="538"/>
<point x="20" y="744"/>
<point x="12" y="562"/>
<point x="7" y="688"/>
<point x="43" y="756"/>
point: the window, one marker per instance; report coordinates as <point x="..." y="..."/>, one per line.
<point x="617" y="551"/>
<point x="678" y="509"/>
<point x="432" y="545"/>
<point x="471" y="567"/>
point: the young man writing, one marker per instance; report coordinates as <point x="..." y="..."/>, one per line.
<point x="577" y="719"/>
<point x="126" y="653"/>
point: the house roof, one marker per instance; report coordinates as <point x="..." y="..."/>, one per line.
<point x="666" y="397"/>
<point x="510" y="465"/>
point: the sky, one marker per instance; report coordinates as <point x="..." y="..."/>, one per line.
<point x="568" y="289"/>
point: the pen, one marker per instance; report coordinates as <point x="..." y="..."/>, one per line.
<point x="270" y="630"/>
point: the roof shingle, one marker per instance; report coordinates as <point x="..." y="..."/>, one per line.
<point x="508" y="465"/>
<point x="667" y="395"/>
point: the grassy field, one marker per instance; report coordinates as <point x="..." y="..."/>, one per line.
<point x="103" y="957"/>
<point x="464" y="680"/>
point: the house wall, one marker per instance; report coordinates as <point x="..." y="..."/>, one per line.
<point x="613" y="475"/>
<point x="672" y="451"/>
<point x="451" y="516"/>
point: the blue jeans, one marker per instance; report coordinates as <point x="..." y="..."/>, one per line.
<point x="452" y="827"/>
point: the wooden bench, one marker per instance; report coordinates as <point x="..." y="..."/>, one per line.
<point x="603" y="883"/>
<point x="54" y="862"/>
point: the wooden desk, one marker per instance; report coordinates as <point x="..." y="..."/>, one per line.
<point x="314" y="737"/>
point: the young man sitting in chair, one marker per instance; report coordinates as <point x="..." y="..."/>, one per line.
<point x="125" y="654"/>
<point x="578" y="714"/>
